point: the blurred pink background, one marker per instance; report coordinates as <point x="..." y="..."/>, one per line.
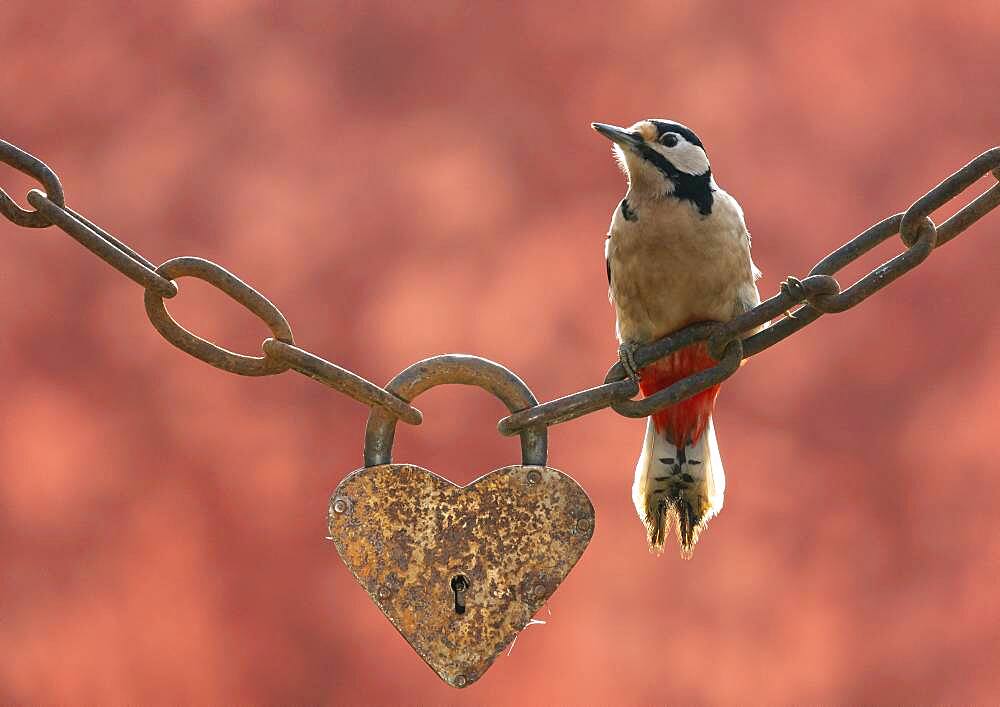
<point x="409" y="179"/>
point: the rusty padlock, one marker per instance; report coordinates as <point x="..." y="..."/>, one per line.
<point x="459" y="570"/>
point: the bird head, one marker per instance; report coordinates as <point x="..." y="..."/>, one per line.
<point x="662" y="158"/>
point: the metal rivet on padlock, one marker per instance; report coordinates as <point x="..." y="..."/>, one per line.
<point x="341" y="505"/>
<point x="468" y="565"/>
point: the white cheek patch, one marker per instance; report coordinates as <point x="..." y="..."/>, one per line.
<point x="685" y="156"/>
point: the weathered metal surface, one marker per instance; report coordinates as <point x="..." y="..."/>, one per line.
<point x="459" y="570"/>
<point x="455" y="369"/>
<point x="569" y="407"/>
<point x="412" y="538"/>
<point x="238" y="290"/>
<point x="341" y="379"/>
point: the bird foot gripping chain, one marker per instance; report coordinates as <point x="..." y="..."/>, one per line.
<point x="792" y="286"/>
<point x="452" y="594"/>
<point x="816" y="290"/>
<point x="626" y="354"/>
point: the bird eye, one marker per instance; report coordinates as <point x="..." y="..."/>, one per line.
<point x="670" y="139"/>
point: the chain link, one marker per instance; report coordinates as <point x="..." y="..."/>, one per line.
<point x="208" y="352"/>
<point x="798" y="303"/>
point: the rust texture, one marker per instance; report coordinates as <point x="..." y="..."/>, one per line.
<point x="459" y="570"/>
<point x="460" y="369"/>
<point x="238" y="290"/>
<point x="408" y="535"/>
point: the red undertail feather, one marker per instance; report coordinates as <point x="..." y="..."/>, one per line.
<point x="685" y="422"/>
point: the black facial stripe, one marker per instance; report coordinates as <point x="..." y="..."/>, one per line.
<point x="696" y="188"/>
<point x="665" y="126"/>
<point x="627" y="213"/>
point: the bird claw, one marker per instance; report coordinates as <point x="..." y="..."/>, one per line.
<point x="793" y="287"/>
<point x="626" y="354"/>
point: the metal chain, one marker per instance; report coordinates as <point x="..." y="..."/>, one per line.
<point x="280" y="352"/>
<point x="799" y="302"/>
<point x="819" y="293"/>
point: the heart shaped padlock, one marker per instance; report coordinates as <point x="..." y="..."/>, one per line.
<point x="459" y="570"/>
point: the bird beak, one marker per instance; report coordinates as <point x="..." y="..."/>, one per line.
<point x="618" y="135"/>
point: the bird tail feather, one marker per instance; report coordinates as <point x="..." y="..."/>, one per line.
<point x="679" y="479"/>
<point x="676" y="487"/>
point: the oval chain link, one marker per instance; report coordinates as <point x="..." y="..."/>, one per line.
<point x="210" y="353"/>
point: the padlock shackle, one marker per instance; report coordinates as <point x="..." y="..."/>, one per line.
<point x="462" y="370"/>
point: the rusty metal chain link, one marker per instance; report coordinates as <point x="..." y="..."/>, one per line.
<point x="798" y="304"/>
<point x="280" y="353"/>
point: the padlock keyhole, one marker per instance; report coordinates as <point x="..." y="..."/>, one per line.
<point x="459" y="585"/>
